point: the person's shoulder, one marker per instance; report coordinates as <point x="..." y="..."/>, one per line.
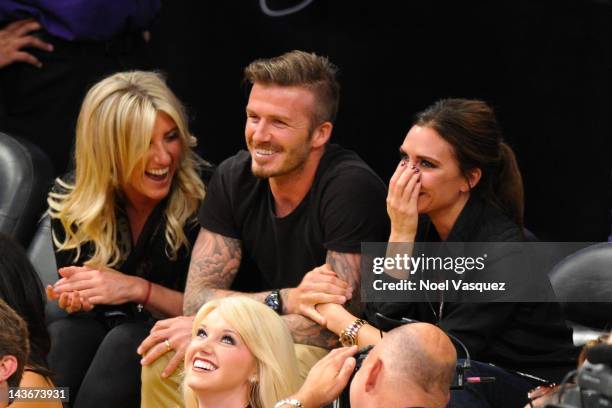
<point x="231" y="182"/>
<point x="236" y="167"/>
<point x="63" y="184"/>
<point x="481" y="221"/>
<point x="32" y="379"/>
<point x="343" y="165"/>
<point x="498" y="227"/>
<point x="206" y="170"/>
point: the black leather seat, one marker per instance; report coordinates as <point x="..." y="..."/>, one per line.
<point x="583" y="285"/>
<point x="26" y="174"/>
<point x="42" y="257"/>
<point x="530" y="236"/>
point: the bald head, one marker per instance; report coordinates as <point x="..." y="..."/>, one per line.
<point x="420" y="353"/>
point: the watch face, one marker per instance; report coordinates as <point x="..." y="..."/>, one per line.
<point x="346" y="340"/>
<point x="272" y="301"/>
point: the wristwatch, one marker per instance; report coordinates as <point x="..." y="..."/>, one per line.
<point x="289" y="401"/>
<point x="348" y="336"/>
<point x="274" y="301"/>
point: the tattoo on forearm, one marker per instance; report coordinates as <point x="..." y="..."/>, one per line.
<point x="346" y="266"/>
<point x="305" y="331"/>
<point x="214" y="263"/>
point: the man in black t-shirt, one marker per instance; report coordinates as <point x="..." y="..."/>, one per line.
<point x="294" y="206"/>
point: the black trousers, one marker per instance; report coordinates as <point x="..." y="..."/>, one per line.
<point x="509" y="390"/>
<point x="41" y="105"/>
<point x="96" y="358"/>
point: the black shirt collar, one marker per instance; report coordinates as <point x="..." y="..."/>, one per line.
<point x="464" y="228"/>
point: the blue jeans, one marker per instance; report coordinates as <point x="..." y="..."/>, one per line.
<point x="509" y="390"/>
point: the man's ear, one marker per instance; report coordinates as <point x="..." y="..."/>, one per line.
<point x="472" y="178"/>
<point x="373" y="373"/>
<point x="321" y="134"/>
<point x="8" y="366"/>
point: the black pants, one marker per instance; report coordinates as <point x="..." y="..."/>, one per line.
<point x="96" y="358"/>
<point x="509" y="390"/>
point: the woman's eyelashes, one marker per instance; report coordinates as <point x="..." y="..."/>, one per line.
<point x="427" y="164"/>
<point x="404" y="158"/>
<point x="227" y="339"/>
<point x="172" y="136"/>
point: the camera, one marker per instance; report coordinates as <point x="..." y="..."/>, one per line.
<point x="387" y="323"/>
<point x="343" y="400"/>
<point x="593" y="387"/>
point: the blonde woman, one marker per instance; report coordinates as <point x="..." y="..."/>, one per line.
<point x="123" y="225"/>
<point x="241" y="355"/>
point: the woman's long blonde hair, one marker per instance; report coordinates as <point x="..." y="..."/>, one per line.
<point x="113" y="134"/>
<point x="267" y="337"/>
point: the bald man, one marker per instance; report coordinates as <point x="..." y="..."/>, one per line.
<point x="413" y="366"/>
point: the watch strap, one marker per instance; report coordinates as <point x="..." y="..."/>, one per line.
<point x="348" y="336"/>
<point x="274" y="301"/>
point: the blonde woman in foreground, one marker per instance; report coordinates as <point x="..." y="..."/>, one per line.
<point x="241" y="355"/>
<point x="123" y="227"/>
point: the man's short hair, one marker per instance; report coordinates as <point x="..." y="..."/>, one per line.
<point x="13" y="340"/>
<point x="299" y="68"/>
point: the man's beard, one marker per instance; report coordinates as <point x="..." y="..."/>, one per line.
<point x="294" y="162"/>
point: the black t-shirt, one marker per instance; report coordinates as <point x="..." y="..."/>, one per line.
<point x="344" y="207"/>
<point x="528" y="337"/>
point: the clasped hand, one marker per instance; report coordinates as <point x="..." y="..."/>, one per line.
<point x="83" y="287"/>
<point x="321" y="285"/>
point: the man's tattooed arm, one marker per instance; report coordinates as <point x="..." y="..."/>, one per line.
<point x="305" y="331"/>
<point x="346" y="266"/>
<point x="215" y="260"/>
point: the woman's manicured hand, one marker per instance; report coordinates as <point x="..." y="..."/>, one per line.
<point x="71" y="302"/>
<point x="404" y="188"/>
<point x="100" y="285"/>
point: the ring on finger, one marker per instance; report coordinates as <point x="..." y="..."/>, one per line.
<point x="167" y="343"/>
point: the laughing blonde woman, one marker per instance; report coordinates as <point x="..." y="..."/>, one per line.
<point x="123" y="225"/>
<point x="241" y="355"/>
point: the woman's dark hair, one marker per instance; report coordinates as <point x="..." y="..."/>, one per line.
<point x="22" y="290"/>
<point x="472" y="130"/>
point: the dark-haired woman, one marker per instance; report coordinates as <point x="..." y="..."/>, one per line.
<point x="22" y="290"/>
<point x="458" y="181"/>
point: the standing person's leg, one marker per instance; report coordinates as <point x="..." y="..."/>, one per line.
<point x="113" y="378"/>
<point x="42" y="104"/>
<point x="74" y="342"/>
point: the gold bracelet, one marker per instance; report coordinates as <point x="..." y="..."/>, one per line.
<point x="348" y="336"/>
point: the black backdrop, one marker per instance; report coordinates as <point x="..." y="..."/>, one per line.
<point x="545" y="66"/>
